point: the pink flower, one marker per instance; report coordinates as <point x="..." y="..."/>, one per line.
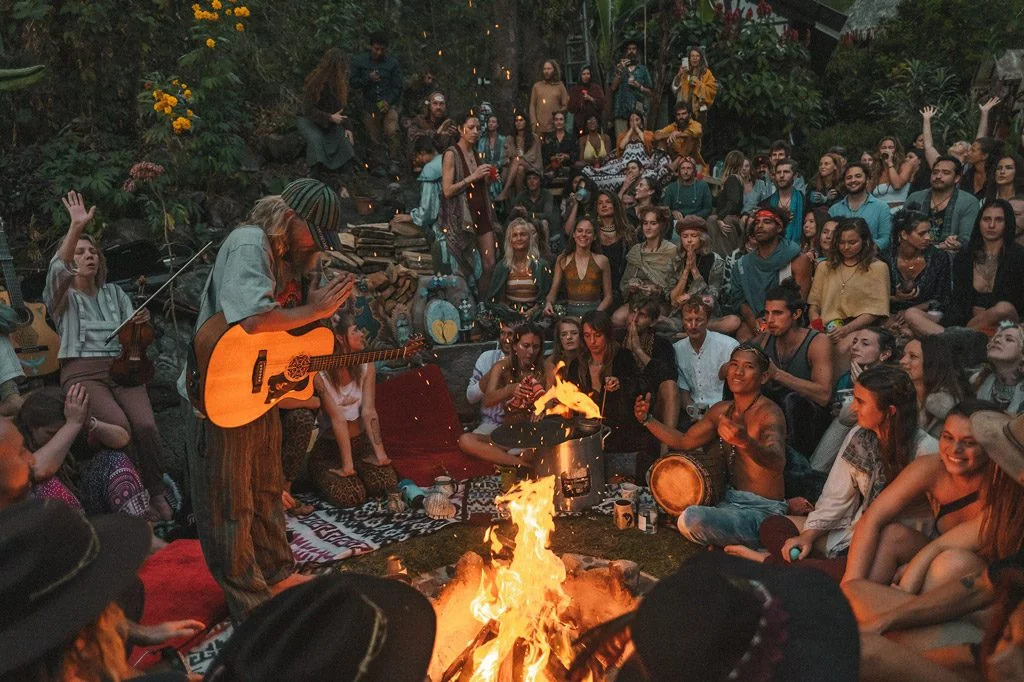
<point x="145" y="171"/>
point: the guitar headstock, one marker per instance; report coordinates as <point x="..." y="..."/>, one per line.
<point x="414" y="345"/>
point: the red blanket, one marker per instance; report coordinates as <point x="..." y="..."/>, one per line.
<point x="421" y="428"/>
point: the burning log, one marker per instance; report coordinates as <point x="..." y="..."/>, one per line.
<point x="486" y="632"/>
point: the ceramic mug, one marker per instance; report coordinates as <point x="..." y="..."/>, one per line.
<point x="628" y="491"/>
<point x="446" y="484"/>
<point x="624" y="514"/>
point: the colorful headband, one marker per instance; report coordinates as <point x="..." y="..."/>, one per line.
<point x="766" y="213"/>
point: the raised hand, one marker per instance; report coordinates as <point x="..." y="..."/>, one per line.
<point x="928" y="112"/>
<point x="76" y="405"/>
<point x="75" y="205"/>
<point x="989" y="104"/>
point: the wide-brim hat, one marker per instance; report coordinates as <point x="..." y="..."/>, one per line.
<point x="802" y="631"/>
<point x="318" y="205"/>
<point x="58" y="572"/>
<point x="1002" y="436"/>
<point x="337" y="627"/>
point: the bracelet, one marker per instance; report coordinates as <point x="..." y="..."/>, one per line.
<point x="647" y="418"/>
<point x="93" y="423"/>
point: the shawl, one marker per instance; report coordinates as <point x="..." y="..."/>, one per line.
<point x="862" y="454"/>
<point x="755" y="275"/>
<point x="656" y="268"/>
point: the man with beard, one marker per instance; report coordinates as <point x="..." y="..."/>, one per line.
<point x="630" y="87"/>
<point x="859" y="203"/>
<point x="787" y="198"/>
<point x="264" y="281"/>
<point x="683" y="138"/>
<point x="773" y="260"/>
<point x="687" y="195"/>
<point x="434" y="125"/>
<point x="951" y="212"/>
<point x="801" y="367"/>
<point x="749" y="431"/>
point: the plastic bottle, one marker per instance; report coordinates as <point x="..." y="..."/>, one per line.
<point x="412" y="493"/>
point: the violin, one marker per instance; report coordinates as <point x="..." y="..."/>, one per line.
<point x="133" y="367"/>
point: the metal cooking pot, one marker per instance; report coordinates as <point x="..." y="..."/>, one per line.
<point x="578" y="467"/>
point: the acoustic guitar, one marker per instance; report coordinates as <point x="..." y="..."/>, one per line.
<point x="34" y="341"/>
<point x="235" y="377"/>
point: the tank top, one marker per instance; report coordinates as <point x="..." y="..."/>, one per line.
<point x="587" y="288"/>
<point x="520" y="288"/>
<point x="798" y="365"/>
<point x="350" y="397"/>
<point x="591" y="154"/>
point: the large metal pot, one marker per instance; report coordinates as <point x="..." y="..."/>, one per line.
<point x="578" y="467"/>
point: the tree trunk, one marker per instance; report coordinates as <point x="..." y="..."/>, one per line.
<point x="505" y="69"/>
<point x="663" y="73"/>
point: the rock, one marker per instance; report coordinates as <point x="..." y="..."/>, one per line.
<point x="188" y="288"/>
<point x="124" y="230"/>
<point x="251" y="160"/>
<point x="281" y="148"/>
<point x="223" y="211"/>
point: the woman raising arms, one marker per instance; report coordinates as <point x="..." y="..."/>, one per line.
<point x="87" y="309"/>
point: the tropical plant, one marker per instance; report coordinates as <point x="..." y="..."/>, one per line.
<point x="911" y="86"/>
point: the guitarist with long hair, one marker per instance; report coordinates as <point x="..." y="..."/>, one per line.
<point x="262" y="281"/>
<point x="86" y="309"/>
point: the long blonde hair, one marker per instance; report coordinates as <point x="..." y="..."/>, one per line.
<point x="269" y="215"/>
<point x="532" y="251"/>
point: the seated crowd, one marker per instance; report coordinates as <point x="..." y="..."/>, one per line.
<point x="813" y="335"/>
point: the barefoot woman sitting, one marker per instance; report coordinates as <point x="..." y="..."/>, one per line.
<point x="348" y="462"/>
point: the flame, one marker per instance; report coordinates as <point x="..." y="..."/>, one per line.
<point x="568" y="396"/>
<point x="524" y="595"/>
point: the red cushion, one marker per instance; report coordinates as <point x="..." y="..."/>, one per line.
<point x="421" y="428"/>
<point x="178" y="587"/>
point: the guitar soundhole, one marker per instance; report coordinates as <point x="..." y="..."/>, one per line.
<point x="298" y="367"/>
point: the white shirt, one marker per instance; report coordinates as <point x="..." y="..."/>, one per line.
<point x="842" y="501"/>
<point x="475" y="393"/>
<point x="698" y="370"/>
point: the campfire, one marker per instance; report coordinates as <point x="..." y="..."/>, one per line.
<point x="569" y="399"/>
<point x="515" y="617"/>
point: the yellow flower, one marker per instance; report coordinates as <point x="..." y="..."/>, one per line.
<point x="239" y="27"/>
<point x="189" y="113"/>
<point x="188" y="94"/>
<point x="180" y="125"/>
<point x="211" y="43"/>
<point x="216" y="4"/>
<point x="195" y="7"/>
<point x="242" y="11"/>
<point x="157" y="94"/>
<point x="174" y="82"/>
<point x="229" y="11"/>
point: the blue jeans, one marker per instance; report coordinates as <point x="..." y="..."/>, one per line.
<point x="733" y="521"/>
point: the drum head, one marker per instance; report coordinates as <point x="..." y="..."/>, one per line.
<point x="441" y="320"/>
<point x="677" y="482"/>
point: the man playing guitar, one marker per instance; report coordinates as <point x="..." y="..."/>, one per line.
<point x="262" y="281"/>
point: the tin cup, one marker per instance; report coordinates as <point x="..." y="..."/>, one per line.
<point x="629" y="491"/>
<point x="446" y="484"/>
<point x="624" y="517"/>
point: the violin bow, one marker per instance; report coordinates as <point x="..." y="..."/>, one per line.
<point x="163" y="286"/>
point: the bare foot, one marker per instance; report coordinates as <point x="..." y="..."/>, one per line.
<point x="291" y="581"/>
<point x="343" y="472"/>
<point x="379" y="462"/>
<point x="287" y="500"/>
<point x="745" y="552"/>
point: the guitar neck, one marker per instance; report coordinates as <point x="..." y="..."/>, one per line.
<point x="323" y="362"/>
<point x="10" y="274"/>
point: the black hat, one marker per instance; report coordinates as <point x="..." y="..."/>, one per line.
<point x="58" y="572"/>
<point x="724" y="618"/>
<point x="335" y="628"/>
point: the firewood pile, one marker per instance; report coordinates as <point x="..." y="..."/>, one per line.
<point x="376" y="247"/>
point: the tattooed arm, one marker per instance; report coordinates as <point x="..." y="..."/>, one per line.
<point x="371" y="423"/>
<point x="947" y="602"/>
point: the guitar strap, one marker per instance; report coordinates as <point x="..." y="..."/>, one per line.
<point x="193" y="383"/>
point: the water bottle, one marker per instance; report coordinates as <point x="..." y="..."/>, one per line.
<point x="465" y="318"/>
<point x="412" y="493"/>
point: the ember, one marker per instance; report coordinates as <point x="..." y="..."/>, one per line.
<point x="568" y="396"/>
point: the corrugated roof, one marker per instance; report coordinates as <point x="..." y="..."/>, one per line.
<point x="868" y="14"/>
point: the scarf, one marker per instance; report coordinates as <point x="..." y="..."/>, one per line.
<point x="862" y="453"/>
<point x="656" y="267"/>
<point x="757" y="275"/>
